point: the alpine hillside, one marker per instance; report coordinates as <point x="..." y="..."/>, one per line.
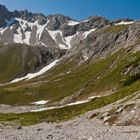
<point x="54" y="68"/>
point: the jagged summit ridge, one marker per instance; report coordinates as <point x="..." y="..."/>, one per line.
<point x="52" y="31"/>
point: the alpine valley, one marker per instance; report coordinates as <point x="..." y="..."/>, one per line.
<point x="66" y="79"/>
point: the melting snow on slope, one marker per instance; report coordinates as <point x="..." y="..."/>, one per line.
<point x="53" y="34"/>
<point x="93" y="97"/>
<point x="18" y="36"/>
<point x="61" y="46"/>
<point x="67" y="40"/>
<point x="2" y="30"/>
<point x="40" y="29"/>
<point x="24" y="24"/>
<point x="70" y="104"/>
<point x="72" y="23"/>
<point x="124" y="23"/>
<point x="85" y="21"/>
<point x="78" y="102"/>
<point x="27" y="37"/>
<point x="42" y="102"/>
<point x="32" y="75"/>
<point x="43" y="44"/>
<point x="88" y="32"/>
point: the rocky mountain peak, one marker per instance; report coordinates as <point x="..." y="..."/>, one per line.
<point x="56" y="21"/>
<point x="30" y="17"/>
<point x="4" y="15"/>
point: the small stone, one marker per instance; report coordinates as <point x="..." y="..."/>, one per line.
<point x="106" y="118"/>
<point x="19" y="127"/>
<point x="39" y="129"/>
<point x="106" y="123"/>
<point x="132" y="112"/>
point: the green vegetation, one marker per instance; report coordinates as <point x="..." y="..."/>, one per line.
<point x="16" y="60"/>
<point x="56" y="85"/>
<point x="116" y="29"/>
<point x="57" y="88"/>
<point x="66" y="113"/>
<point x="94" y="78"/>
<point x="130" y="79"/>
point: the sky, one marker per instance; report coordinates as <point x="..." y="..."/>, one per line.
<point x="79" y="9"/>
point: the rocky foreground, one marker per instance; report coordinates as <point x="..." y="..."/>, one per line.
<point x="78" y="129"/>
<point x="113" y="122"/>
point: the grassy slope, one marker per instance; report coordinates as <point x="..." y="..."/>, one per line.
<point x="17" y="60"/>
<point x="57" y="88"/>
<point x="60" y="86"/>
<point x="10" y="63"/>
<point x="66" y="113"/>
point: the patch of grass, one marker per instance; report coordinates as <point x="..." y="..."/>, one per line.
<point x="112" y="77"/>
<point x="16" y="60"/>
<point x="116" y="29"/>
<point x="60" y="86"/>
<point x="130" y="79"/>
<point x="57" y="88"/>
<point x="66" y="113"/>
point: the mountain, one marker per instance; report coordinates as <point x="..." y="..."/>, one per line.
<point x="54" y="31"/>
<point x="57" y="68"/>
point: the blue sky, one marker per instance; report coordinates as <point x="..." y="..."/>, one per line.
<point x="79" y="9"/>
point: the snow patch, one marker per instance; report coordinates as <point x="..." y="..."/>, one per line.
<point x="27" y="37"/>
<point x="85" y="58"/>
<point x="68" y="72"/>
<point x="78" y="102"/>
<point x="93" y="97"/>
<point x="2" y="30"/>
<point x="24" y="24"/>
<point x="42" y="102"/>
<point x="53" y="34"/>
<point x="70" y="104"/>
<point x="72" y="23"/>
<point x="40" y="29"/>
<point x="88" y="32"/>
<point x="124" y="23"/>
<point x="61" y="46"/>
<point x="33" y="75"/>
<point x="68" y="40"/>
<point x="85" y="21"/>
<point x="44" y="44"/>
<point x="18" y="36"/>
